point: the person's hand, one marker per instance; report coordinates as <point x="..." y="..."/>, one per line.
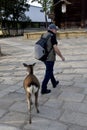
<point x="63" y="59"/>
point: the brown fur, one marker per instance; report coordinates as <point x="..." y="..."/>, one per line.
<point x="31" y="81"/>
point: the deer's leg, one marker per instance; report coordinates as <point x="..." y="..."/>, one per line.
<point x="36" y="101"/>
<point x="29" y="106"/>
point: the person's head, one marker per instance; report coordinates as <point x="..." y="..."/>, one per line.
<point x="52" y="27"/>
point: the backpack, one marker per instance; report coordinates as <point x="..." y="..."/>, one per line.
<point x="41" y="52"/>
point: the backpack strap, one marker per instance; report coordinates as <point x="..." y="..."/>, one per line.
<point x="47" y="36"/>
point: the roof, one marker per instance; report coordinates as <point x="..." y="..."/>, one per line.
<point x="36" y="15"/>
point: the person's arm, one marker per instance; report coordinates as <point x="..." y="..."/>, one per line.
<point x="58" y="52"/>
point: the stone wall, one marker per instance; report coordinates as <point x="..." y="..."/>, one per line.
<point x="60" y="34"/>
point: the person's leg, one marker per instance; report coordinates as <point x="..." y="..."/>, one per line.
<point x="53" y="80"/>
<point x="49" y="70"/>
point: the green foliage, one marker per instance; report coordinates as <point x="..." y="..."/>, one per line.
<point x="46" y="7"/>
<point x="13" y="10"/>
<point x="46" y="4"/>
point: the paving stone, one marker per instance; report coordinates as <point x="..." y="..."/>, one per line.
<point x="81" y="71"/>
<point x="5" y="103"/>
<point x="1" y="79"/>
<point x="49" y="113"/>
<point x="6" y="127"/>
<point x="8" y="90"/>
<point x="44" y="124"/>
<point x="66" y="77"/>
<point x="71" y="96"/>
<point x="85" y="91"/>
<point x="80" y="65"/>
<point x="19" y="107"/>
<point x="80" y="80"/>
<point x="76" y="107"/>
<point x="9" y="80"/>
<point x="3" y="93"/>
<point x="53" y="102"/>
<point x="80" y="85"/>
<point x="66" y="83"/>
<point x="37" y="124"/>
<point x="14" y="96"/>
<point x="14" y="119"/>
<point x="74" y="118"/>
<point x="6" y="68"/>
<point x="72" y="89"/>
<point x="3" y="86"/>
<point x="21" y="90"/>
<point x="64" y="108"/>
<point x="74" y="127"/>
<point x="57" y="126"/>
<point x="2" y="112"/>
<point x="69" y="71"/>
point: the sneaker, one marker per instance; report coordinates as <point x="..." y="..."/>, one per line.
<point x="54" y="86"/>
<point x="46" y="91"/>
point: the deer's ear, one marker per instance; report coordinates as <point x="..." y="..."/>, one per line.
<point x="25" y="65"/>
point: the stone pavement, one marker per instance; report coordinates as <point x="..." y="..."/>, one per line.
<point x="65" y="108"/>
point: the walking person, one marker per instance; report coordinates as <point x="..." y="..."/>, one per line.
<point x="49" y="63"/>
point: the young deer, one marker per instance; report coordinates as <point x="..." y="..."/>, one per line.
<point x="31" y="86"/>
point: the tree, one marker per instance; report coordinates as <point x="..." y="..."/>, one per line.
<point x="13" y="10"/>
<point x="46" y="6"/>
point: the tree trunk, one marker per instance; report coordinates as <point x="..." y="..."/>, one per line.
<point x="46" y="20"/>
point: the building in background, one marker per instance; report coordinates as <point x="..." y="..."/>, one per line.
<point x="74" y="16"/>
<point x="37" y="16"/>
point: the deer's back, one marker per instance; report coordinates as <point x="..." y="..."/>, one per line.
<point x="31" y="80"/>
